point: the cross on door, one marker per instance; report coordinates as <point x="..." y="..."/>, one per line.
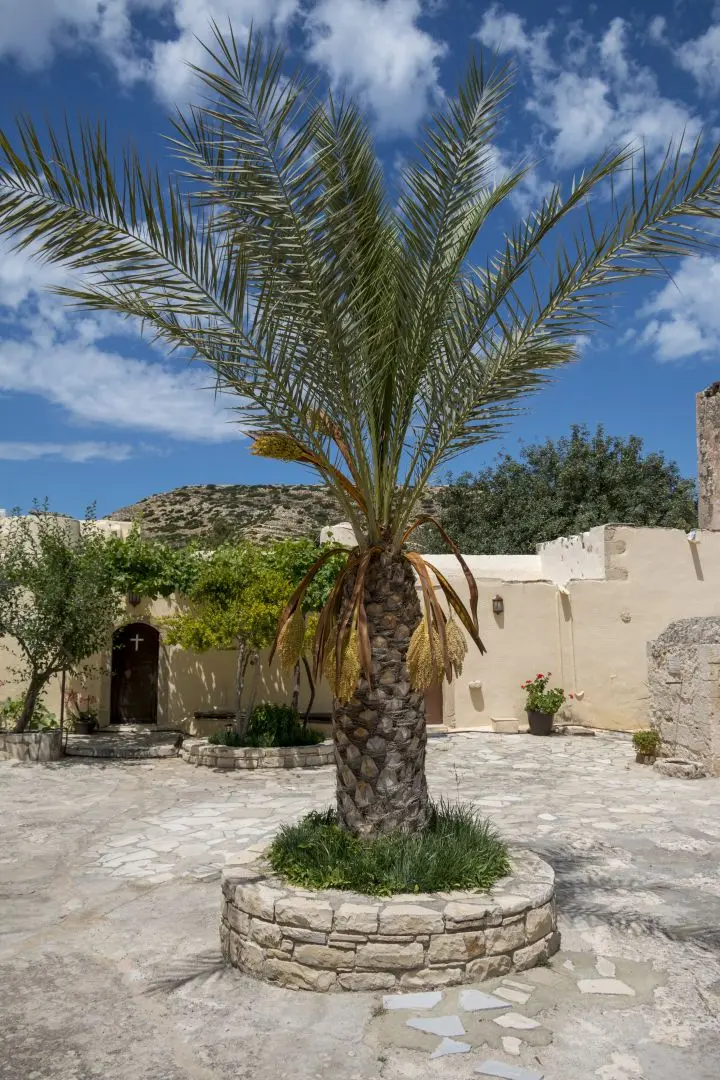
<point x="136" y="641"/>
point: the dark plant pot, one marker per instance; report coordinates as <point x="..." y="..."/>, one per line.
<point x="84" y="727"/>
<point x="645" y="759"/>
<point x="540" y="723"/>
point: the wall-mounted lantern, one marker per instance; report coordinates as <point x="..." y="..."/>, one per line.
<point x="133" y="598"/>
<point x="498" y="605"/>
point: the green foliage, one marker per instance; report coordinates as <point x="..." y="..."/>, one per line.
<point x="11" y="711"/>
<point x="270" y="725"/>
<point x="646" y="742"/>
<point x="559" y="489"/>
<point x="458" y="850"/>
<point x="293" y="559"/>
<point x="58" y="597"/>
<point x="539" y="699"/>
<point x="148" y="567"/>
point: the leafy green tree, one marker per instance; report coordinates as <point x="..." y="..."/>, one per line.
<point x="562" y="488"/>
<point x="364" y="334"/>
<point x="58" y="598"/>
<point x="150" y="568"/>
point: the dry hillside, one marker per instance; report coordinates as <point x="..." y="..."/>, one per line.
<point x="219" y="512"/>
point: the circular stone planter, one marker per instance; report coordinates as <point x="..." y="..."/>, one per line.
<point x="333" y="940"/>
<point x="31" y="745"/>
<point x="201" y="752"/>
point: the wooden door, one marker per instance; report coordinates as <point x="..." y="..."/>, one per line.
<point x="133" y="685"/>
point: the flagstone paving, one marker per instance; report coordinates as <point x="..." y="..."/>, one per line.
<point x="109" y="901"/>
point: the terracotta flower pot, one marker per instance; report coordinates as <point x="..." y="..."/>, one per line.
<point x="540" y="723"/>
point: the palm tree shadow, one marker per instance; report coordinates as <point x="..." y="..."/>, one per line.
<point x="587" y="890"/>
<point x="193" y="969"/>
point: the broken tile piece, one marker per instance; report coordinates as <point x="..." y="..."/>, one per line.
<point x="451" y="1046"/>
<point x="476" y="1001"/>
<point x="518" y="985"/>
<point x="605" y="967"/>
<point x="511" y="1045"/>
<point x="614" y="987"/>
<point x="412" y="1001"/>
<point x="437" y="1025"/>
<point x="518" y="996"/>
<point x="507" y="1072"/>
<point x="516" y="1021"/>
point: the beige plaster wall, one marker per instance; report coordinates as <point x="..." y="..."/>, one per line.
<point x="583" y="608"/>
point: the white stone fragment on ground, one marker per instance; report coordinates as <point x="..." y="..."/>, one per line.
<point x="476" y="1001"/>
<point x="605" y="967"/>
<point x="546" y="817"/>
<point x="516" y="1021"/>
<point x="507" y="1072"/>
<point x="519" y="997"/>
<point x="511" y="1045"/>
<point x="451" y="1046"/>
<point x="614" y="987"/>
<point x="569" y="965"/>
<point x="437" y="1025"/>
<point x="518" y="985"/>
<point x="412" y="1001"/>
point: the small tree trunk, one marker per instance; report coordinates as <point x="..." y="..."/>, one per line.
<point x="295" y="700"/>
<point x="254" y="659"/>
<point x="380" y="734"/>
<point x="311" y="690"/>
<point x="31" y="696"/>
<point x="240" y="669"/>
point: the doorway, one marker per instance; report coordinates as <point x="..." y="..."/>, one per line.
<point x="134" y="679"/>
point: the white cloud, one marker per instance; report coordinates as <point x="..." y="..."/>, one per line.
<point x="657" y="28"/>
<point x="69" y="360"/>
<point x="33" y="32"/>
<point x="701" y="58"/>
<point x="77" y="453"/>
<point x="684" y="317"/>
<point x="376" y="49"/>
<point x="590" y="93"/>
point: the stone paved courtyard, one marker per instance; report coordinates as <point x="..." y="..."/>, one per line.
<point x="109" y="895"/>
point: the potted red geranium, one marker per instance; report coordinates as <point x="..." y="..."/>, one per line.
<point x="542" y="704"/>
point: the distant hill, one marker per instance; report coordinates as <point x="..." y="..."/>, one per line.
<point x="219" y="512"/>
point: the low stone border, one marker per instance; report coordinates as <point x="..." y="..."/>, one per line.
<point x="31" y="745"/>
<point x="257" y="757"/>
<point x="679" y="768"/>
<point x="332" y="940"/>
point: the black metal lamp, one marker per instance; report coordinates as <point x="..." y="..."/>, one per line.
<point x="498" y="605"/>
<point x="133" y="598"/>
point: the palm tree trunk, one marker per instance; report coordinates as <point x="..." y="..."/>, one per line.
<point x="295" y="699"/>
<point x="380" y="734"/>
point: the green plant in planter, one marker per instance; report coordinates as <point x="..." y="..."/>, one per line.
<point x="270" y="725"/>
<point x="82" y="711"/>
<point x="541" y="700"/>
<point x="42" y="719"/>
<point x="646" y="743"/>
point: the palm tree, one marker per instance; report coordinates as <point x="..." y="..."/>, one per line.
<point x="363" y="337"/>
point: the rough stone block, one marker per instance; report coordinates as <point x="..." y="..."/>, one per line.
<point x="460" y="915"/>
<point x="250" y="957"/>
<point x="539" y="922"/>
<point x="298" y="911"/>
<point x="336" y="939"/>
<point x="259" y="900"/>
<point x="367" y="980"/>
<point x="410" y="919"/>
<point x="491" y="967"/>
<point x="297" y="977"/>
<point x="266" y="934"/>
<point x="239" y="921"/>
<point x="429" y="978"/>
<point x="506" y="938"/>
<point x="323" y="956"/>
<point x="379" y="957"/>
<point x="357" y="918"/>
<point x="536" y="953"/>
<point x="307" y="937"/>
<point x="446" y="948"/>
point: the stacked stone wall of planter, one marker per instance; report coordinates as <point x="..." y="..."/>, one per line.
<point x="31" y="745"/>
<point x="333" y="940"/>
<point x="257" y="757"/>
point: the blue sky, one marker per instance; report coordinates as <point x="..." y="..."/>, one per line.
<point x="91" y="413"/>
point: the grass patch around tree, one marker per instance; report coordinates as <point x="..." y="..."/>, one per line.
<point x="270" y="725"/>
<point x="458" y="850"/>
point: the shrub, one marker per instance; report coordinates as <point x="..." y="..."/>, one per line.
<point x="541" y="700"/>
<point x="41" y="719"/>
<point x="646" y="742"/>
<point x="459" y="849"/>
<point x="270" y="725"/>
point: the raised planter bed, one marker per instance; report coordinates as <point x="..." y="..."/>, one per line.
<point x="201" y="752"/>
<point x="31" y="745"/>
<point x="335" y="941"/>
